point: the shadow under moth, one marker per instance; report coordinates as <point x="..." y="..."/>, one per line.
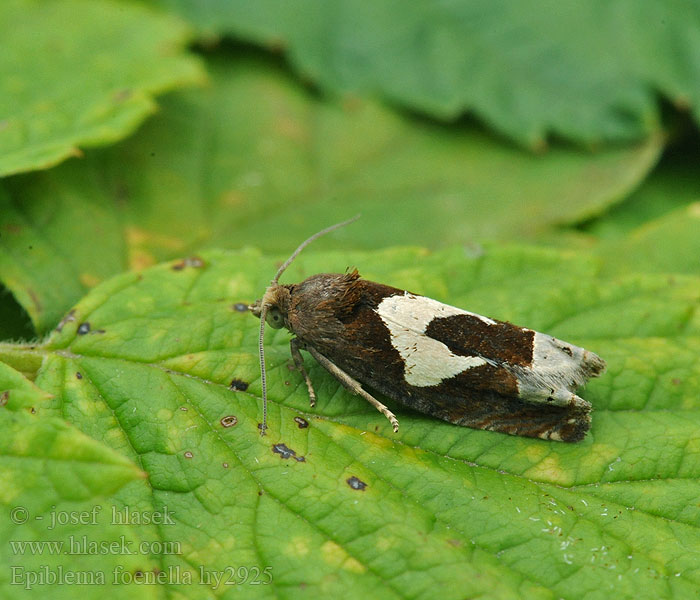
<point x="440" y="360"/>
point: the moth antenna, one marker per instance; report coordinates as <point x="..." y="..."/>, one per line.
<point x="263" y="376"/>
<point x="306" y="242"/>
<point x="264" y="306"/>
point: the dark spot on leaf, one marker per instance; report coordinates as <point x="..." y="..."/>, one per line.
<point x="283" y="451"/>
<point x="30" y="247"/>
<point x="286" y="452"/>
<point x="83" y="328"/>
<point x="191" y="261"/>
<point x="240" y="307"/>
<point x="138" y="574"/>
<point x="229" y="421"/>
<point x="183" y="408"/>
<point x="356" y="484"/>
<point x="567" y="350"/>
<point x="78" y="375"/>
<point x="4" y="397"/>
<point x="238" y="385"/>
<point x="225" y="465"/>
<point x="188" y="454"/>
<point x="260" y="492"/>
<point x="32" y="410"/>
<point x="302" y="423"/>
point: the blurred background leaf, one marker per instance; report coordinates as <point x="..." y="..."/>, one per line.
<point x="79" y="73"/>
<point x="588" y="71"/>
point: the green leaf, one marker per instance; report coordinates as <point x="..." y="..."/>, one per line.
<point x="255" y="159"/>
<point x="672" y="186"/>
<point x="588" y="71"/>
<point x="469" y="513"/>
<point x="669" y="244"/>
<point x="655" y="229"/>
<point x="86" y="75"/>
<point x="53" y="480"/>
<point x="18" y="392"/>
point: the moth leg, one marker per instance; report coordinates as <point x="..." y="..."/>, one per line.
<point x="294" y="345"/>
<point x="353" y="386"/>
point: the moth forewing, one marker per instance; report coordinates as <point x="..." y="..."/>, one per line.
<point x="438" y="341"/>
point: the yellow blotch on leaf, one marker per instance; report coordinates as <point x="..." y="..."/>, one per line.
<point x="334" y="555"/>
<point x="692" y="447"/>
<point x="599" y="455"/>
<point x="89" y="280"/>
<point x="137" y="238"/>
<point x="138" y="260"/>
<point x="536" y="452"/>
<point x="550" y="470"/>
<point x="384" y="543"/>
<point x="297" y="547"/>
<point x="88" y="407"/>
<point x="164" y="414"/>
<point x="10" y="489"/>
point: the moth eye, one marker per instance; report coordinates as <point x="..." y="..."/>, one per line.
<point x="274" y="318"/>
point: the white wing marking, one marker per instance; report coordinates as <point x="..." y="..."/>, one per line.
<point x="426" y="361"/>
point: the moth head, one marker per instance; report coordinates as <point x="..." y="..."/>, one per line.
<point x="273" y="309"/>
<point x="276" y="303"/>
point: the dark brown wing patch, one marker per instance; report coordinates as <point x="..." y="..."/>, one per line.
<point x="468" y="335"/>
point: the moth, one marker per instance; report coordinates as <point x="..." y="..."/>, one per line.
<point x="440" y="360"/>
